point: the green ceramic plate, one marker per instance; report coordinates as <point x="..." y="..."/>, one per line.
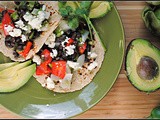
<point x="33" y="101"/>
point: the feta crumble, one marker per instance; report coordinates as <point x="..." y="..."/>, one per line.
<point x="92" y="66"/>
<point x="35" y="23"/>
<point x="50" y="83"/>
<point x="28" y="17"/>
<point x="37" y="59"/>
<point x="23" y="38"/>
<point x="93" y="55"/>
<point x="70" y="50"/>
<point x="15" y="33"/>
<point x="74" y="65"/>
<point x="8" y="28"/>
<point x="19" y="24"/>
<point x="51" y="41"/>
<point x="54" y="53"/>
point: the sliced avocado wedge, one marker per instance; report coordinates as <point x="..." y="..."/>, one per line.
<point x="95" y="4"/>
<point x="142" y="65"/>
<point x="15" y="82"/>
<point x="7" y="65"/>
<point x="11" y="71"/>
<point x="99" y="9"/>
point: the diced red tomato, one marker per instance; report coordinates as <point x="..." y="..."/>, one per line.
<point x="6" y="20"/>
<point x="47" y="57"/>
<point x="59" y="68"/>
<point x="43" y="69"/>
<point x="82" y="48"/>
<point x="70" y="41"/>
<point x="26" y="50"/>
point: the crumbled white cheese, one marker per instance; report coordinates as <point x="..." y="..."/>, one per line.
<point x="54" y="53"/>
<point x="15" y="33"/>
<point x="37" y="59"/>
<point x="92" y="66"/>
<point x="41" y="15"/>
<point x="23" y="38"/>
<point x="74" y="65"/>
<point x="35" y="11"/>
<point x="43" y="84"/>
<point x="51" y="41"/>
<point x="19" y="24"/>
<point x="93" y="55"/>
<point x="50" y="83"/>
<point x="28" y="17"/>
<point x="65" y="41"/>
<point x="70" y="50"/>
<point x="35" y="23"/>
<point x="8" y="28"/>
<point x="36" y="17"/>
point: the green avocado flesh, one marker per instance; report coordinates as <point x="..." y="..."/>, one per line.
<point x="7" y="65"/>
<point x="99" y="9"/>
<point x="143" y="64"/>
<point x="11" y="71"/>
<point x="18" y="80"/>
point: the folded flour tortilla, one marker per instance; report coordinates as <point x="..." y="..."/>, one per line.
<point x="52" y="7"/>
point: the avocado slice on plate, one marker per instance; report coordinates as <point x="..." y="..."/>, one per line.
<point x="7" y="65"/>
<point x="11" y="71"/>
<point x="99" y="9"/>
<point x="18" y="80"/>
<point x="142" y="65"/>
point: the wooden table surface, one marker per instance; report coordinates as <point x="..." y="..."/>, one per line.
<point x="123" y="100"/>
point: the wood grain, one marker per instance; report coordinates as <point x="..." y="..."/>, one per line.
<point x="123" y="100"/>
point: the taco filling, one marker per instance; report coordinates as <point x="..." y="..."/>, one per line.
<point x="23" y="25"/>
<point x="65" y="52"/>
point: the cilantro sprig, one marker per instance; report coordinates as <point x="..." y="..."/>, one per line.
<point x="75" y="12"/>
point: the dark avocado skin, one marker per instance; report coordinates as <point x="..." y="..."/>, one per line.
<point x="125" y="64"/>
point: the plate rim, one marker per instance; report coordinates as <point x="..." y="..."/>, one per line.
<point x="106" y="92"/>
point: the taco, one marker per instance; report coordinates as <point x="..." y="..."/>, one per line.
<point x="25" y="26"/>
<point x="69" y="59"/>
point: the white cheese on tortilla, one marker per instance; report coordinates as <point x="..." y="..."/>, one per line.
<point x="92" y="66"/>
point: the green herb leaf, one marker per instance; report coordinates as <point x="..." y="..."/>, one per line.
<point x="63" y="12"/>
<point x="80" y="12"/>
<point x="61" y="4"/>
<point x="73" y="23"/>
<point x="85" y="4"/>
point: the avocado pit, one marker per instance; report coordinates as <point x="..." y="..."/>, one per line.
<point x="147" y="69"/>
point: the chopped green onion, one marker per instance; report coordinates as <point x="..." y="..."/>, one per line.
<point x="15" y="16"/>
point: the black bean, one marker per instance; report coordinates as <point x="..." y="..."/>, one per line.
<point x="12" y="44"/>
<point x="74" y="36"/>
<point x="64" y="56"/>
<point x="60" y="48"/>
<point x="68" y="32"/>
<point x="78" y="35"/>
<point x="19" y="47"/>
<point x="15" y="54"/>
<point x="3" y="12"/>
<point x="17" y="40"/>
<point x="8" y="44"/>
<point x="8" y="38"/>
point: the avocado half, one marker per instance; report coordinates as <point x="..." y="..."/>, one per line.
<point x="142" y="65"/>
